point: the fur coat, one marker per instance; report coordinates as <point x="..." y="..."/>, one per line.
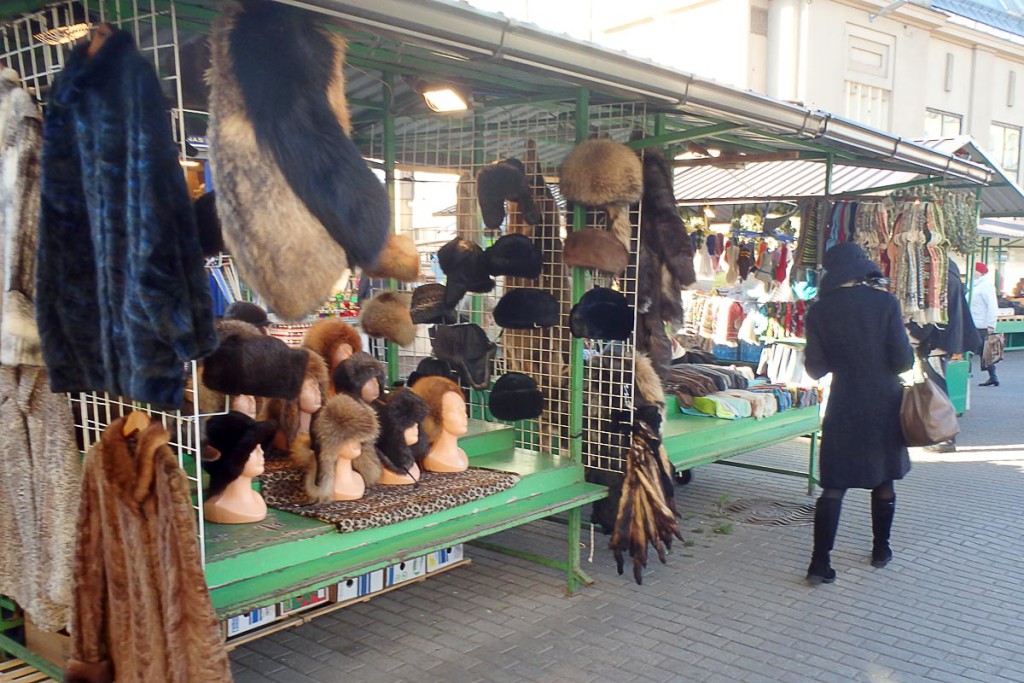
<point x="20" y="140"/>
<point x="297" y="202"/>
<point x="122" y="296"/>
<point x="142" y="609"/>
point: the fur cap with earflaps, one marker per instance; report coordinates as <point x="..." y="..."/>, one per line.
<point x="605" y="173"/>
<point x="501" y="181"/>
<point x="227" y="444"/>
<point x="399" y="259"/>
<point x="342" y="419"/>
<point x="602" y="313"/>
<point x="516" y="255"/>
<point x="432" y="390"/>
<point x="248" y="362"/>
<point x="597" y="249"/>
<point x="353" y="373"/>
<point x="526" y="308"/>
<point x="515" y="396"/>
<point x="402" y="410"/>
<point x="327" y="334"/>
<point x="469" y="350"/>
<point x="387" y="315"/>
<point x="464" y="264"/>
<point x="428" y="306"/>
<point x="660" y="221"/>
<point x="296" y="200"/>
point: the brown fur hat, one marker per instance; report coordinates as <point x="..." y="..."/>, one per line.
<point x="352" y="373"/>
<point x="399" y="259"/>
<point x="428" y="308"/>
<point x="249" y="362"/>
<point x="597" y="249"/>
<point x="325" y="336"/>
<point x="601" y="172"/>
<point x="341" y="419"/>
<point x="387" y="315"/>
<point x="432" y="390"/>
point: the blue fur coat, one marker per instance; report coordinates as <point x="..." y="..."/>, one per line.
<point x="122" y="298"/>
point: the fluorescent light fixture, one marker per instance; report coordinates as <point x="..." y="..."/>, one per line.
<point x="444" y="99"/>
<point x="709" y="212"/>
<point x="62" y="35"/>
<point x="714" y="152"/>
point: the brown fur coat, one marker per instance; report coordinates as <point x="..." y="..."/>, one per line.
<point x="142" y="610"/>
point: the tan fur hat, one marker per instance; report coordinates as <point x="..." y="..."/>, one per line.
<point x="597" y="249"/>
<point x="387" y="315"/>
<point x="325" y="336"/>
<point x="602" y="172"/>
<point x="342" y="419"/>
<point x="399" y="259"/>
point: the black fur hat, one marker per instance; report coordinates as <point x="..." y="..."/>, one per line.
<point x="249" y="362"/>
<point x="402" y="410"/>
<point x="469" y="350"/>
<point x="464" y="264"/>
<point x="505" y="180"/>
<point x="602" y="313"/>
<point x="233" y="436"/>
<point x="247" y="312"/>
<point x="428" y="306"/>
<point x="432" y="367"/>
<point x="525" y="309"/>
<point x="515" y="255"/>
<point x="354" y="372"/>
<point x="515" y="396"/>
<point x="210" y="239"/>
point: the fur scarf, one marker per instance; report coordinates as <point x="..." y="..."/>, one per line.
<point x="342" y="419"/>
<point x="122" y="299"/>
<point x="20" y="143"/>
<point x="297" y="202"/>
<point x="136" y="528"/>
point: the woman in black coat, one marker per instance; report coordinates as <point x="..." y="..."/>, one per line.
<point x="855" y="331"/>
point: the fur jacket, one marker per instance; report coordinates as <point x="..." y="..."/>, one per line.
<point x="122" y="296"/>
<point x="20" y="140"/>
<point x="142" y="609"/>
<point x="297" y="202"/>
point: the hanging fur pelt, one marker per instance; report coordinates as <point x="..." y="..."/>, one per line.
<point x="296" y="201"/>
<point x="646" y="515"/>
<point x="660" y="222"/>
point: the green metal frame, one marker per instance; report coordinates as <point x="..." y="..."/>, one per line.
<point x="10" y="646"/>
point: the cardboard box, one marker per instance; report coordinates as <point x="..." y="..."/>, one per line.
<point x="304" y="602"/>
<point x="444" y="557"/>
<point x="357" y="587"/>
<point x="405" y="571"/>
<point x="53" y="647"/>
<point x="250" y="620"/>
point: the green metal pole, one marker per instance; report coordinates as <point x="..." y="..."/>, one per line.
<point x="829" y="162"/>
<point x="388" y="82"/>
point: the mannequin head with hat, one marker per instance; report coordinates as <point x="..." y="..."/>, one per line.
<point x="232" y="456"/>
<point x="446" y="420"/>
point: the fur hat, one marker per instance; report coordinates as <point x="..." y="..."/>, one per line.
<point x="249" y="362"/>
<point x="247" y="313"/>
<point x="432" y="391"/>
<point x="464" y="264"/>
<point x="210" y="239"/>
<point x="233" y="436"/>
<point x="597" y="249"/>
<point x="431" y="367"/>
<point x="353" y="373"/>
<point x="526" y="308"/>
<point x="342" y="419"/>
<point x="387" y="315"/>
<point x="515" y="396"/>
<point x="325" y="335"/>
<point x="402" y="410"/>
<point x="602" y="172"/>
<point x="505" y="180"/>
<point x="602" y="313"/>
<point x="286" y="413"/>
<point x="428" y="308"/>
<point x="516" y="255"/>
<point x="399" y="259"/>
<point x="469" y="350"/>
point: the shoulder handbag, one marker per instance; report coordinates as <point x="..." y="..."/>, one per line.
<point x="927" y="415"/>
<point x="993" y="351"/>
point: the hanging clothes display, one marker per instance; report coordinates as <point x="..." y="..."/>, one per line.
<point x="918" y="261"/>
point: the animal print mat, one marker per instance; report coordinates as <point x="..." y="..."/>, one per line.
<point x="382" y="505"/>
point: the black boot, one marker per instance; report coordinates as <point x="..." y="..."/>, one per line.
<point x="882" y="512"/>
<point x="826" y="522"/>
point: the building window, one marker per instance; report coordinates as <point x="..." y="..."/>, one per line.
<point x="1004" y="143"/>
<point x="941" y="124"/>
<point x="868" y="104"/>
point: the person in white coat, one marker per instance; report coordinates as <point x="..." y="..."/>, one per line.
<point x="983" y="310"/>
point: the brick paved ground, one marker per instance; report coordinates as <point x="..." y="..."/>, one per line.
<point x="731" y="607"/>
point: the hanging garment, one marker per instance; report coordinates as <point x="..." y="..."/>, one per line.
<point x="122" y="296"/>
<point x="142" y="610"/>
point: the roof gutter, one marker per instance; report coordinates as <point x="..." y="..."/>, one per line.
<point x="442" y="23"/>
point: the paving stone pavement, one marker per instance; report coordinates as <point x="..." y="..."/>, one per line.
<point x="730" y="606"/>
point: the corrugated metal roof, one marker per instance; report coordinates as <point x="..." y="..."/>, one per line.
<point x="989" y="12"/>
<point x="1004" y="229"/>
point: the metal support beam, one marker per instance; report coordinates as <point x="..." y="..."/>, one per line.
<point x="682" y="136"/>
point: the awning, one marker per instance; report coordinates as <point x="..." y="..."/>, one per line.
<point x="1002" y="229"/>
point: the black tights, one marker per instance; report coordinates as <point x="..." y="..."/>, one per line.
<point x="882" y="492"/>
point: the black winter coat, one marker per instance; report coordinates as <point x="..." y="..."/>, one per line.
<point x="857" y="334"/>
<point x="122" y="299"/>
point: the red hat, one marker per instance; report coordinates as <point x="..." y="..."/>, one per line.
<point x="981" y="268"/>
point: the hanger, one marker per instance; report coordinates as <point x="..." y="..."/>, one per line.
<point x="99" y="36"/>
<point x="136" y="421"/>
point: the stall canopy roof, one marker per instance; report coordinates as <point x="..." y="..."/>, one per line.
<point x="1011" y="229"/>
<point x="793" y="179"/>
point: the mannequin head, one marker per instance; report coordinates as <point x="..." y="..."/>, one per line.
<point x="341" y="429"/>
<point x="400" y="420"/>
<point x="361" y="376"/>
<point x="239" y="440"/>
<point x="445" y="405"/>
<point x="334" y="340"/>
<point x="288" y="414"/>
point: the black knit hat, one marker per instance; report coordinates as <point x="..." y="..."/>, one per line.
<point x="469" y="350"/>
<point x="526" y="308"/>
<point x="428" y="307"/>
<point x="464" y="264"/>
<point x="515" y="396"/>
<point x="233" y="436"/>
<point x="602" y="313"/>
<point x="515" y="255"/>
